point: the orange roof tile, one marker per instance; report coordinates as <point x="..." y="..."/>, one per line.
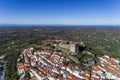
<point x="21" y="65"/>
<point x="26" y="68"/>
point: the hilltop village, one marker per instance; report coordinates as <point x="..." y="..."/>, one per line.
<point x="65" y="60"/>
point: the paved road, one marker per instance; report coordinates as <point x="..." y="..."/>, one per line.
<point x="2" y="77"/>
<point x="3" y="74"/>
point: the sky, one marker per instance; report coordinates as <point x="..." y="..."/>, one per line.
<point x="69" y="12"/>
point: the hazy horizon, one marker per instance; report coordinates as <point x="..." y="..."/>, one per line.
<point x="62" y="12"/>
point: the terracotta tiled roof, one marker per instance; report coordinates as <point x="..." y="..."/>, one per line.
<point x="26" y="68"/>
<point x="45" y="69"/>
<point x="20" y="65"/>
<point x="48" y="51"/>
<point x="97" y="68"/>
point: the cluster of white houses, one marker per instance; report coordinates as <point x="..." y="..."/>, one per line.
<point x="42" y="65"/>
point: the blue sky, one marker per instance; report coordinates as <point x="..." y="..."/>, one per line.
<point x="71" y="12"/>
